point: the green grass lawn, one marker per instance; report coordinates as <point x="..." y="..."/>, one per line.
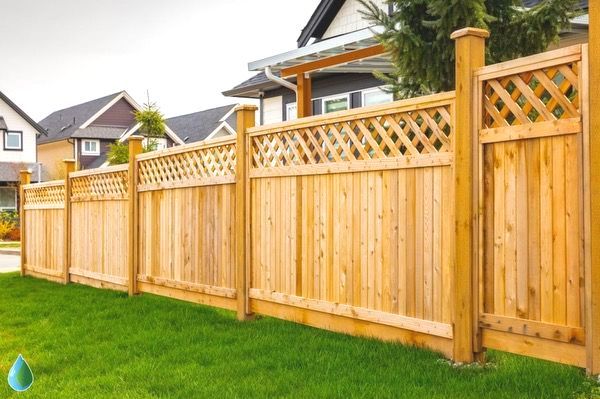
<point x="9" y="244"/>
<point x="87" y="343"/>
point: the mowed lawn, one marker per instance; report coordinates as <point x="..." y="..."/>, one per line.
<point x="87" y="343"/>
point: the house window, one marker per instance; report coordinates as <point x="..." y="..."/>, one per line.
<point x="13" y="141"/>
<point x="8" y="198"/>
<point x="376" y="96"/>
<point x="291" y="111"/>
<point x="337" y="103"/>
<point x="155" y="143"/>
<point x="90" y="147"/>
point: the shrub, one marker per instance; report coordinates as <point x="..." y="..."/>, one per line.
<point x="14" y="235"/>
<point x="6" y="227"/>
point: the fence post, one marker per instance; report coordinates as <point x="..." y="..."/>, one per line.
<point x="69" y="167"/>
<point x="245" y="120"/>
<point x="25" y="178"/>
<point x="592" y="119"/>
<point x="470" y="54"/>
<point x="135" y="148"/>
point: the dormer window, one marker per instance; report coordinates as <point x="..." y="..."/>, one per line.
<point x="90" y="147"/>
<point x="13" y="140"/>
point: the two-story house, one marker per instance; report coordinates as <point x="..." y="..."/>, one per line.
<point x="83" y="132"/>
<point x="18" y="134"/>
<point x="332" y="66"/>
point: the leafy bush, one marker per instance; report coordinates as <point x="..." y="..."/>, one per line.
<point x="9" y="222"/>
<point x="5" y="228"/>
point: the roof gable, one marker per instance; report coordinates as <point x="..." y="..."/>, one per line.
<point x="61" y="124"/>
<point x="22" y="114"/>
<point x="320" y="20"/>
<point x="200" y="125"/>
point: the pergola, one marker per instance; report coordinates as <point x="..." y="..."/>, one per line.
<point x="351" y="53"/>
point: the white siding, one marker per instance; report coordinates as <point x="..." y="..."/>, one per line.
<point x="348" y="19"/>
<point x="272" y="110"/>
<point x="14" y="121"/>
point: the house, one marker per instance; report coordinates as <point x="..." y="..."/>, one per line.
<point x="18" y="135"/>
<point x="332" y="67"/>
<point x="83" y="132"/>
<point x="204" y="125"/>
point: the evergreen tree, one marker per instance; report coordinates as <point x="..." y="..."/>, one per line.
<point x="417" y="36"/>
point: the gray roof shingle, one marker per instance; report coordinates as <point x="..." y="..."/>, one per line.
<point x="9" y="171"/>
<point x="61" y="125"/>
<point x="531" y="3"/>
<point x="99" y="132"/>
<point x="197" y="126"/>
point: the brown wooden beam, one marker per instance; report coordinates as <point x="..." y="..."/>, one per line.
<point x="304" y="96"/>
<point x="334" y="60"/>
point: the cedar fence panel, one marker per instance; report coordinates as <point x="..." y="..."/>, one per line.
<point x="99" y="215"/>
<point x="531" y="135"/>
<point x="44" y="213"/>
<point x="186" y="223"/>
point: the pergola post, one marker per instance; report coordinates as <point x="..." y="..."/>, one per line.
<point x="470" y="55"/>
<point x="304" y="95"/>
<point x="592" y="327"/>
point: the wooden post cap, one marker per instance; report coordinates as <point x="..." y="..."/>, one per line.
<point x="69" y="161"/>
<point x="246" y="107"/>
<point x="136" y="138"/>
<point x="470" y="32"/>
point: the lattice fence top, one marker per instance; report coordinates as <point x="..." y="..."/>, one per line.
<point x="101" y="184"/>
<point x="543" y="91"/>
<point x="48" y="195"/>
<point x="418" y="130"/>
<point x="197" y="164"/>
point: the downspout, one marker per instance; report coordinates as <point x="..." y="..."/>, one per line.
<point x="280" y="81"/>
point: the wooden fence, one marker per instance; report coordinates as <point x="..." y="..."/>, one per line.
<point x="457" y="221"/>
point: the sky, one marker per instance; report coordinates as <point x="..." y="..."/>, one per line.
<point x="184" y="53"/>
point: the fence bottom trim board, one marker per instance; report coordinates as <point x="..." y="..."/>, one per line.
<point x="373" y="316"/>
<point x="355" y="327"/>
<point x="43" y="271"/>
<point x="541" y="348"/>
<point x="98" y="276"/>
<point x="573" y="335"/>
<point x="96" y="283"/>
<point x="188" y="296"/>
<point x="186" y="286"/>
<point x="44" y="276"/>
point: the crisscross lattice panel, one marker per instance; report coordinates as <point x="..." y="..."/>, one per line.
<point x="197" y="164"/>
<point x="109" y="185"/>
<point x="392" y="132"/>
<point x="533" y="96"/>
<point x="49" y="195"/>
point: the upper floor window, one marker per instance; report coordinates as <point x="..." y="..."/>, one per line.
<point x="336" y="103"/>
<point x="13" y="141"/>
<point x="155" y="143"/>
<point x="90" y="147"/>
<point x="376" y="96"/>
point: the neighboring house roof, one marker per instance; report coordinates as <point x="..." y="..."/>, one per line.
<point x="9" y="171"/>
<point x="99" y="161"/>
<point x="531" y="3"/>
<point x="99" y="132"/>
<point x="258" y="82"/>
<point x="61" y="125"/>
<point x="3" y="124"/>
<point x="22" y="113"/>
<point x="203" y="125"/>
